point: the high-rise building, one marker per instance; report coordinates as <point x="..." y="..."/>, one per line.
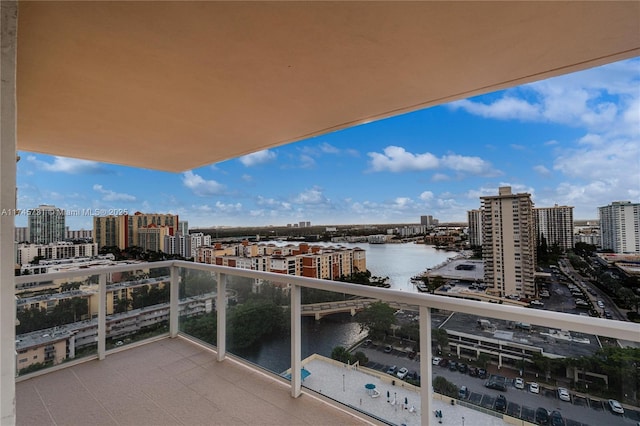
<point x="620" y="227"/>
<point x="555" y="224"/>
<point x="428" y="221"/>
<point x="474" y="217"/>
<point x="183" y="227"/>
<point x="46" y="224"/>
<point x="21" y="234"/>
<point x="152" y="237"/>
<point x="199" y="239"/>
<point x="106" y="231"/>
<point x="508" y="243"/>
<point x="123" y="230"/>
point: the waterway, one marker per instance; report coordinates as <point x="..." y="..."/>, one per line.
<point x="398" y="262"/>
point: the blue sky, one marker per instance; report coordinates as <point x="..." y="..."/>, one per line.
<point x="572" y="140"/>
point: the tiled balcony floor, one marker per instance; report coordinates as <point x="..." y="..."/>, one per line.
<point x="167" y="382"/>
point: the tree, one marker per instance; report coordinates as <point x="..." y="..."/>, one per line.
<point x="483" y="360"/>
<point x="445" y="387"/>
<point x="377" y="319"/>
<point x="360" y="358"/>
<point x="251" y="321"/>
<point x="441" y="337"/>
<point x="340" y="353"/>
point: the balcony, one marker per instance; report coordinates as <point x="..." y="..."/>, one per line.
<point x="173" y="367"/>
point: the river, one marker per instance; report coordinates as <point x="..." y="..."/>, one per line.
<point x="399" y="262"/>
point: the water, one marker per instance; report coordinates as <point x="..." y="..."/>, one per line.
<point x="399" y="262"/>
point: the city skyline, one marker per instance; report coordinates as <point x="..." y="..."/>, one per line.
<point x="572" y="140"/>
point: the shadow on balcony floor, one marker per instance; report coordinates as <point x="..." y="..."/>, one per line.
<point x="167" y="382"/>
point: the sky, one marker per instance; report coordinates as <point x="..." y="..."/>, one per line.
<point x="572" y="140"/>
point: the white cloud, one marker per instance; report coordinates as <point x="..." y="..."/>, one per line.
<point x="426" y="196"/>
<point x="597" y="158"/>
<point x="247" y="178"/>
<point x="440" y="177"/>
<point x="542" y="170"/>
<point x="471" y="165"/>
<point x="257" y="158"/>
<point x="397" y="159"/>
<point x="604" y="100"/>
<point x="311" y="196"/>
<point x="110" y="195"/>
<point x="329" y="149"/>
<point x="402" y="202"/>
<point x="68" y="165"/>
<point x="505" y="108"/>
<point x="273" y="203"/>
<point x="306" y="161"/>
<point x="200" y="186"/>
<point x="228" y="208"/>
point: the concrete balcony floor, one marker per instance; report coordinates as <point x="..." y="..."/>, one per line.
<point x="168" y="382"/>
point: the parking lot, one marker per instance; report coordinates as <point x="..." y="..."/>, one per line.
<point x="581" y="410"/>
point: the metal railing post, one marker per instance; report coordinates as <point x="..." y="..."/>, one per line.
<point x="221" y="309"/>
<point x="174" y="305"/>
<point x="426" y="366"/>
<point x="102" y="315"/>
<point x="296" y="341"/>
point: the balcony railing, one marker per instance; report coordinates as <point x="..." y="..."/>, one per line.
<point x="109" y="308"/>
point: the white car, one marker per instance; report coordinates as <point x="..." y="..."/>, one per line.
<point x="563" y="394"/>
<point x="518" y="383"/>
<point x="615" y="406"/>
<point x="534" y="388"/>
<point x="436" y="360"/>
<point x="402" y="373"/>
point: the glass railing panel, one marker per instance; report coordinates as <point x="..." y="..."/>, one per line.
<point x="55" y="321"/>
<point x="137" y="305"/>
<point x="532" y="372"/>
<point x="197" y="294"/>
<point x="258" y="321"/>
<point x="362" y="352"/>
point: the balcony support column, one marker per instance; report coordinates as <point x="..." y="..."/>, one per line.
<point x="296" y="341"/>
<point x="102" y="316"/>
<point x="8" y="36"/>
<point x="221" y="309"/>
<point x="426" y="366"/>
<point x="174" y="305"/>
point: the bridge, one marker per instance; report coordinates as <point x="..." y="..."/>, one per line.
<point x="353" y="306"/>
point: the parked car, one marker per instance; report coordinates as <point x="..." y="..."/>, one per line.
<point x="453" y="366"/>
<point x="462" y="367"/>
<point x="542" y="416"/>
<point x="392" y="369"/>
<point x="556" y="419"/>
<point x="518" y="383"/>
<point x="495" y="385"/>
<point x="482" y="373"/>
<point x="463" y="392"/>
<point x="388" y="348"/>
<point x="473" y="371"/>
<point x="501" y="403"/>
<point x="616" y="407"/>
<point x="563" y="394"/>
<point x="366" y="343"/>
<point x="534" y="387"/>
<point x="402" y="373"/>
<point x="436" y="360"/>
<point x="444" y="363"/>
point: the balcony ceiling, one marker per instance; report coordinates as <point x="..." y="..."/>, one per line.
<point x="178" y="85"/>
